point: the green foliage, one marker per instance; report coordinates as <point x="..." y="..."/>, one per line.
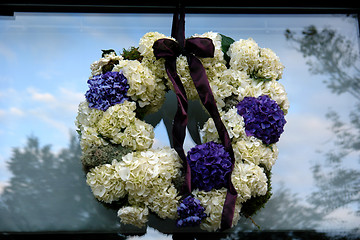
<point x="225" y="44"/>
<point x="132" y="54"/>
<point x="97" y="155"/>
<point x="230" y="102"/>
<point x="109" y="66"/>
<point x="254" y="76"/>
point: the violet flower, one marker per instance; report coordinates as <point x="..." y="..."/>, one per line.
<point x="210" y="165"/>
<point x="107" y="90"/>
<point x="190" y="212"/>
<point x="263" y="118"/>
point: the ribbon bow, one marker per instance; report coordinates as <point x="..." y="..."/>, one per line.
<point x="193" y="48"/>
<point x="170" y="50"/>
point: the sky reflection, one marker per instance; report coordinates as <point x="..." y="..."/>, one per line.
<point x="45" y="60"/>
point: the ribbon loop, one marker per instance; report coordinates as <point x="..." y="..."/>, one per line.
<point x="166" y="48"/>
<point x="193" y="48"/>
<point x="200" y="47"/>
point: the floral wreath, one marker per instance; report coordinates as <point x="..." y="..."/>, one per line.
<point x="215" y="183"/>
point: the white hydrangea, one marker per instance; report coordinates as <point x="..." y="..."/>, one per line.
<point x="244" y="55"/>
<point x="249" y="180"/>
<point x="269" y="66"/>
<point x="258" y="62"/>
<point x="134" y="215"/>
<point x="165" y="202"/>
<point x="116" y="118"/>
<point x="96" y="67"/>
<point x="233" y="122"/>
<point x="149" y="179"/>
<point x="252" y="150"/>
<point x="106" y="183"/>
<point x="213" y="202"/>
<point x="87" y="116"/>
<point x="228" y="82"/>
<point x="217" y="64"/>
<point x="143" y="86"/>
<point x="145" y="48"/>
<point x="221" y="90"/>
<point x="139" y="135"/>
<point x="90" y="137"/>
<point x="146" y="44"/>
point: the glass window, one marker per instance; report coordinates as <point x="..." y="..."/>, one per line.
<point x="45" y="61"/>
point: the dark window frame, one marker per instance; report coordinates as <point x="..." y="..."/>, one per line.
<point x="9" y="8"/>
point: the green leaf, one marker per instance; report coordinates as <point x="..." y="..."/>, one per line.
<point x="225" y="44"/>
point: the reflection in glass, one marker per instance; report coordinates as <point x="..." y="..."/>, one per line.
<point x="43" y="188"/>
<point x="337" y="177"/>
<point x="43" y="183"/>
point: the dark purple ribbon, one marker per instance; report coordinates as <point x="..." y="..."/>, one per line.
<point x="193" y="48"/>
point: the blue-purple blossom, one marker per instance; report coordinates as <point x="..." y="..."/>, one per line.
<point x="210" y="165"/>
<point x="190" y="212"/>
<point x="107" y="90"/>
<point x="263" y="118"/>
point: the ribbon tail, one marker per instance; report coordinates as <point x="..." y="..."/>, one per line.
<point x="180" y="120"/>
<point x="228" y="210"/>
<point x="201" y="82"/>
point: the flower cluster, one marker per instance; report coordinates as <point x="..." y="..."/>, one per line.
<point x="210" y="166"/>
<point x="107" y="58"/>
<point x="145" y="88"/>
<point x="190" y="212"/>
<point x="134" y="215"/>
<point x="150" y="179"/>
<point x="121" y="166"/>
<point x="117" y="125"/>
<point x="107" y="90"/>
<point x="146" y="178"/>
<point x="106" y="183"/>
<point x="249" y="180"/>
<point x="213" y="202"/>
<point x="263" y="118"/>
<point x="258" y="62"/>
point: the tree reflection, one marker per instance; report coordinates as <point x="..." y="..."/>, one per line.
<point x="332" y="55"/>
<point x="48" y="192"/>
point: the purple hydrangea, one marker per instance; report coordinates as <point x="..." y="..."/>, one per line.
<point x="190" y="212"/>
<point x="210" y="165"/>
<point x="263" y="118"/>
<point x="107" y="90"/>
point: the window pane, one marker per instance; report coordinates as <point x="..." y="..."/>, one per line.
<point x="45" y="61"/>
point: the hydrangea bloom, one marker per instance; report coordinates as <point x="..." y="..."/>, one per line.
<point x="96" y="67"/>
<point x="263" y="118"/>
<point x="190" y="212"/>
<point x="144" y="87"/>
<point x="233" y="122"/>
<point x="249" y="180"/>
<point x="252" y="150"/>
<point x="105" y="183"/>
<point x="107" y="90"/>
<point x="135" y="215"/>
<point x="148" y="177"/>
<point x="210" y="164"/>
<point x="213" y="202"/>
